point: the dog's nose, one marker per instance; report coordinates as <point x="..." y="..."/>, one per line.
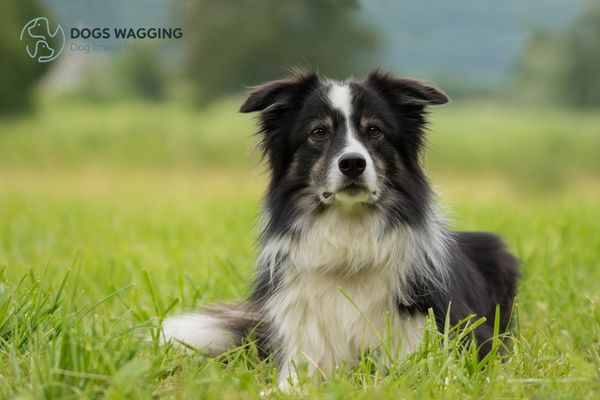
<point x="352" y="164"/>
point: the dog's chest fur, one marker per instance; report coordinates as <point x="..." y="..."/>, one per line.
<point x="339" y="290"/>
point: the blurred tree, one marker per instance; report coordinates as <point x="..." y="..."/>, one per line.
<point x="18" y="72"/>
<point x="562" y="67"/>
<point x="541" y="67"/>
<point x="143" y="73"/>
<point x="580" y="85"/>
<point x="233" y="44"/>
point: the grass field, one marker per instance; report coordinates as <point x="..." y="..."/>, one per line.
<point x="114" y="216"/>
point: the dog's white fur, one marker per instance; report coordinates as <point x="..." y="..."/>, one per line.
<point x="343" y="278"/>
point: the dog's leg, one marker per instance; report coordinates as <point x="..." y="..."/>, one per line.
<point x="288" y="378"/>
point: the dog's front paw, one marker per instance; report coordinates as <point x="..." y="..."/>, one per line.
<point x="288" y="382"/>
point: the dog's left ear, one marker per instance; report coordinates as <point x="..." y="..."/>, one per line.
<point x="279" y="93"/>
<point x="406" y="91"/>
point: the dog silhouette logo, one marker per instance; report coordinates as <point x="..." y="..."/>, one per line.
<point x="41" y="42"/>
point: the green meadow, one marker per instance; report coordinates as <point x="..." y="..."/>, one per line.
<point x="114" y="216"/>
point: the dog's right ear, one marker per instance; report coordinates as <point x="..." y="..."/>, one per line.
<point x="279" y="93"/>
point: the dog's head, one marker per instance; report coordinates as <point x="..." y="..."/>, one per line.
<point x="349" y="144"/>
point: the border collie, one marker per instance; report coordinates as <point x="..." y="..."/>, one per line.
<point x="354" y="250"/>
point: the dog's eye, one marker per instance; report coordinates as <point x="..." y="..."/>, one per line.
<point x="373" y="131"/>
<point x="318" y="134"/>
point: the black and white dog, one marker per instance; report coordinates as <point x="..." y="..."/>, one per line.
<point x="354" y="249"/>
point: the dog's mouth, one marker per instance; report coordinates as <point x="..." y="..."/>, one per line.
<point x="352" y="192"/>
<point x="353" y="189"/>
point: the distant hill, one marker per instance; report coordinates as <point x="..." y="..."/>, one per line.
<point x="471" y="40"/>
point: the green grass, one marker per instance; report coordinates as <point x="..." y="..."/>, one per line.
<point x="542" y="147"/>
<point x="112" y="218"/>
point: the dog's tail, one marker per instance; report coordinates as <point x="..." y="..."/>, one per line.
<point x="212" y="330"/>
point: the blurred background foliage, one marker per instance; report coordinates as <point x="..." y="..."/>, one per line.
<point x="523" y="77"/>
<point x="18" y="74"/>
<point x="534" y="53"/>
<point x="241" y="43"/>
<point x="145" y="75"/>
<point x="562" y="66"/>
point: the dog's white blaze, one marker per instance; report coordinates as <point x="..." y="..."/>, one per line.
<point x="201" y="331"/>
<point x="340" y="98"/>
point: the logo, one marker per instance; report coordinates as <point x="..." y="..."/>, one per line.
<point x="43" y="44"/>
